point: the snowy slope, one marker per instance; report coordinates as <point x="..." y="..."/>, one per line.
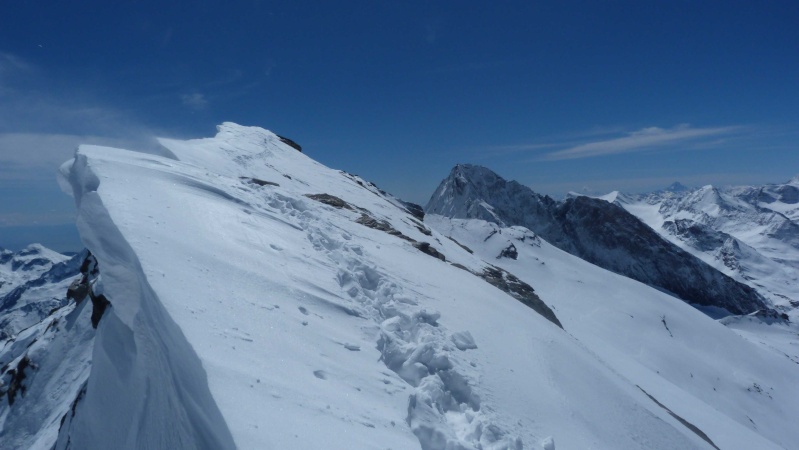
<point x="781" y="198"/>
<point x="245" y="313"/>
<point x="739" y="394"/>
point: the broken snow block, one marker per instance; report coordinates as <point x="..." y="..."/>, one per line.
<point x="463" y="340"/>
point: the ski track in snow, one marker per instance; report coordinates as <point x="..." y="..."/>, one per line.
<point x="443" y="410"/>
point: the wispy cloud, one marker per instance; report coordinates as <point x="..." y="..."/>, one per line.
<point x="36" y="156"/>
<point x="11" y="63"/>
<point x="641" y="140"/>
<point x="196" y="101"/>
<point x="11" y="68"/>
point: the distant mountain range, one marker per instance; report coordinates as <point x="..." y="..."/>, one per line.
<point x="598" y="231"/>
<point x="750" y="233"/>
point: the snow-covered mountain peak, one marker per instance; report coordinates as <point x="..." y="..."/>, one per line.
<point x="616" y="197"/>
<point x="40" y="251"/>
<point x="477" y="192"/>
<point x="16" y="268"/>
<point x="237" y="150"/>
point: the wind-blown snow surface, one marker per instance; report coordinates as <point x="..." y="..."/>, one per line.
<point x="740" y="395"/>
<point x="245" y="314"/>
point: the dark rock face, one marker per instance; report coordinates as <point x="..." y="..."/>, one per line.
<point x="99" y="305"/>
<point x="381" y="225"/>
<point x="519" y="290"/>
<point x="78" y="290"/>
<point x="426" y="248"/>
<point x="413" y="209"/>
<point x="599" y="232"/>
<point x="290" y="143"/>
<point x="90" y="273"/>
<point x="461" y="245"/>
<point x="509" y="252"/>
<point x="696" y="234"/>
<point x="17" y="377"/>
<point x="259" y="182"/>
<point x="330" y="200"/>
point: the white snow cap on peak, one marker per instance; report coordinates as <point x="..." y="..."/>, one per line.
<point x="236" y="150"/>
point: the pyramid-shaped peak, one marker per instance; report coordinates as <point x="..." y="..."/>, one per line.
<point x="676" y="187"/>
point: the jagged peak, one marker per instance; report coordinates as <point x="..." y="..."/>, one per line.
<point x="472" y="172"/>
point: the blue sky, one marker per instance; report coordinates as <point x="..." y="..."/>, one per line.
<point x="562" y="95"/>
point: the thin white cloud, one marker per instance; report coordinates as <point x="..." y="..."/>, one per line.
<point x="11" y="67"/>
<point x="644" y="139"/>
<point x="11" y="63"/>
<point x="195" y="101"/>
<point x="36" y="156"/>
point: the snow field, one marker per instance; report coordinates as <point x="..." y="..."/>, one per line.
<point x="696" y="367"/>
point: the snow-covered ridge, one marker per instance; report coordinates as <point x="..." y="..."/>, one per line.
<point x="259" y="299"/>
<point x="262" y="300"/>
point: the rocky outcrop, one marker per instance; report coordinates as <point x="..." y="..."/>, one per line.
<point x="519" y="290"/>
<point x="509" y="252"/>
<point x="290" y="143"/>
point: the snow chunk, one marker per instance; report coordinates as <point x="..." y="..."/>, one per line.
<point x="463" y="340"/>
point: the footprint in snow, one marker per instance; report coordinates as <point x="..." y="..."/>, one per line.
<point x="303" y="310"/>
<point x="320" y="374"/>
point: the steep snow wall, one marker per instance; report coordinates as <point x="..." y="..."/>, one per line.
<point x="147" y="389"/>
